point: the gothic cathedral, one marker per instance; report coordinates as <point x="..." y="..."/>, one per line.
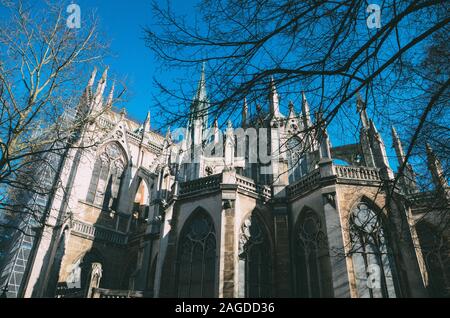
<point x="145" y="215"/>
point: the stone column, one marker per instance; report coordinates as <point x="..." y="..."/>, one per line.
<point x="227" y="237"/>
<point x="166" y="266"/>
<point x="339" y="271"/>
<point x="282" y="273"/>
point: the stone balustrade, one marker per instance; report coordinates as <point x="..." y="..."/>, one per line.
<point x="210" y="183"/>
<point x="135" y="137"/>
<point x="105" y="123"/>
<point x="307" y="183"/>
<point x="96" y="233"/>
<point x="249" y="185"/>
<point x="358" y="173"/>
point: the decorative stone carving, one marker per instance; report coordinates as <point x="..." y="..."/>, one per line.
<point x="330" y="198"/>
<point x="96" y="276"/>
<point x="227" y="204"/>
<point x="209" y="170"/>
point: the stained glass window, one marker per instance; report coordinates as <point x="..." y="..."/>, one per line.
<point x="373" y="260"/>
<point x="197" y="258"/>
<point x="255" y="260"/>
<point x="104" y="188"/>
<point x="309" y="245"/>
<point x="436" y="253"/>
<point x="296" y="160"/>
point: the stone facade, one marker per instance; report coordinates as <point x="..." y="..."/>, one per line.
<point x="156" y="223"/>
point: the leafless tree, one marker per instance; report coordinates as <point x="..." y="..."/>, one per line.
<point x="41" y="99"/>
<point x="327" y="49"/>
<point x="322" y="47"/>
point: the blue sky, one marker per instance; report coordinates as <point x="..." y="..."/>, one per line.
<point x="122" y="23"/>
<point x="130" y="60"/>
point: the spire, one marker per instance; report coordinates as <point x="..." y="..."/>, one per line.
<point x="147" y="122"/>
<point x="306" y="112"/>
<point x="201" y="88"/>
<point x="100" y="90"/>
<point x="361" y="108"/>
<point x="109" y="101"/>
<point x="244" y="113"/>
<point x="435" y="167"/>
<point x="291" y="106"/>
<point x="373" y="127"/>
<point x="92" y="79"/>
<point x="274" y="99"/>
<point x="291" y="110"/>
<point x="259" y="119"/>
<point x="200" y="103"/>
<point x="409" y="179"/>
<point x="229" y="145"/>
<point x="168" y="138"/>
<point x="169" y="155"/>
<point x="397" y="144"/>
<point x="102" y="83"/>
<point x="86" y="98"/>
<point x="216" y="131"/>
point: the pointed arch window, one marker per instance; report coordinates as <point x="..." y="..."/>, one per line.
<point x="109" y="168"/>
<point x="197" y="258"/>
<point x="373" y="260"/>
<point x="296" y="159"/>
<point x="310" y="251"/>
<point x="255" y="260"/>
<point x="436" y="252"/>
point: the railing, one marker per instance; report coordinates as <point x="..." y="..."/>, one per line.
<point x="200" y="185"/>
<point x="109" y="293"/>
<point x="305" y="184"/>
<point x="93" y="232"/>
<point x="358" y="173"/>
<point x="427" y="199"/>
<point x="105" y="123"/>
<point x="249" y="185"/>
<point x="155" y="141"/>
<point x="134" y="136"/>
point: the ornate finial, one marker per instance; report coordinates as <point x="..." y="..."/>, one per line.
<point x="147" y="122"/>
<point x="168" y="134"/>
<point x="291" y="106"/>
<point x="105" y="74"/>
<point x="111" y="95"/>
<point x="360" y="104"/>
<point x="92" y="78"/>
